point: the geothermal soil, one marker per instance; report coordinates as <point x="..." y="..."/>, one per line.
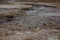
<point x="40" y="22"/>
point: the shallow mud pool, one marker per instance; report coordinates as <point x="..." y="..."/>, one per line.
<point x="37" y="23"/>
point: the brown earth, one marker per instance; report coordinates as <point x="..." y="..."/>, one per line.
<point x="30" y="27"/>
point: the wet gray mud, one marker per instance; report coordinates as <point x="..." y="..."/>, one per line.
<point x="37" y="23"/>
<point x="37" y="16"/>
